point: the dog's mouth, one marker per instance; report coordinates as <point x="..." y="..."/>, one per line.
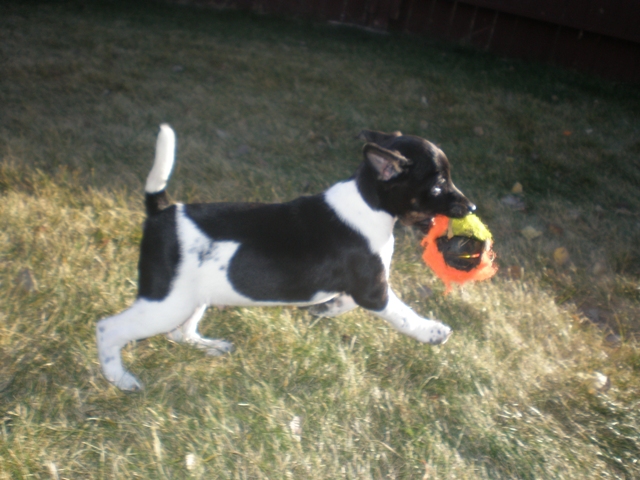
<point x="424" y="225"/>
<point x="422" y="221"/>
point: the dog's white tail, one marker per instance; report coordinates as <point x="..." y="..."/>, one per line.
<point x="163" y="163"/>
<point x="155" y="196"/>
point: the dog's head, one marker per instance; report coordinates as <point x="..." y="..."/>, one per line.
<point x="410" y="178"/>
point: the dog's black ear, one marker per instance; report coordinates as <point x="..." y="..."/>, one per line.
<point x="379" y="138"/>
<point x="387" y="163"/>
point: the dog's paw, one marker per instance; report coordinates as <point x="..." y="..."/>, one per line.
<point x="216" y="347"/>
<point x="432" y="332"/>
<point x="320" y="310"/>
<point x="128" y="382"/>
<point x="212" y="346"/>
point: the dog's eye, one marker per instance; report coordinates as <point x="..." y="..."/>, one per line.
<point x="437" y="188"/>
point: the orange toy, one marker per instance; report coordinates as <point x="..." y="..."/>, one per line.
<point x="459" y="250"/>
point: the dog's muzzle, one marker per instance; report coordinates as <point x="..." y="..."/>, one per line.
<point x="459" y="210"/>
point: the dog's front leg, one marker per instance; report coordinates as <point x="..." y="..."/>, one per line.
<point x="408" y="322"/>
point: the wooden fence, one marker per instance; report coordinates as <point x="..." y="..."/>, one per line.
<point x="597" y="36"/>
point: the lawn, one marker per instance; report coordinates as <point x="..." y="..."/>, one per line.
<point x="541" y="377"/>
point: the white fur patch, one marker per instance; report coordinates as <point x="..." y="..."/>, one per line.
<point x="375" y="225"/>
<point x="202" y="275"/>
<point x="163" y="163"/>
<point x="386" y="252"/>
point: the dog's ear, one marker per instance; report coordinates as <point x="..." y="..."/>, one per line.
<point x="388" y="164"/>
<point x="379" y="138"/>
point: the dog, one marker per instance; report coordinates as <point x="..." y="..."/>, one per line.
<point x="330" y="252"/>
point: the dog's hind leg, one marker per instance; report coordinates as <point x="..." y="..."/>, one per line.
<point x="334" y="307"/>
<point x="143" y="319"/>
<point x="188" y="333"/>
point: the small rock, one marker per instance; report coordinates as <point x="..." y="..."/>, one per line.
<point x="190" y="461"/>
<point x="53" y="470"/>
<point x="514" y="202"/>
<point x="600" y="383"/>
<point x="26" y="281"/>
<point x="556" y="229"/>
<point x="599" y="268"/>
<point x="612" y="340"/>
<point x="530" y="232"/>
<point x="560" y="255"/>
<point x="177" y="69"/>
<point x="515" y="272"/>
<point x="296" y="427"/>
<point x="595" y="316"/>
<point x="479" y="131"/>
<point x="222" y="134"/>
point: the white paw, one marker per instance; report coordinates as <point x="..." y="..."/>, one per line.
<point x="320" y="310"/>
<point x="128" y="383"/>
<point x="432" y="332"/>
<point x="217" y="347"/>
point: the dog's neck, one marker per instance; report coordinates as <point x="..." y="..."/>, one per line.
<point x="346" y="199"/>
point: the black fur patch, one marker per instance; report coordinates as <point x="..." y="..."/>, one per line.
<point x="290" y="251"/>
<point x="159" y="255"/>
<point x="156" y="202"/>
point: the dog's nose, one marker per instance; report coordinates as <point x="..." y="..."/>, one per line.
<point x="460" y="210"/>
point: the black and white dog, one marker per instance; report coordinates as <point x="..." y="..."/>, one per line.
<point x="331" y="250"/>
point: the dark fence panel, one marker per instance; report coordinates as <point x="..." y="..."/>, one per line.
<point x="615" y="18"/>
<point x="597" y="36"/>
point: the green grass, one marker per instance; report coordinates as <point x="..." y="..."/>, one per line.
<point x="267" y="110"/>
